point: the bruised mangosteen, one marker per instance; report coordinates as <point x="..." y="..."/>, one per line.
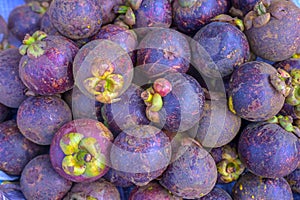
<point x="250" y="186"/>
<point x="76" y="19"/>
<point x="80" y="150"/>
<point x="40" y="181"/>
<point x="46" y="65"/>
<point x="216" y="194"/>
<point x="141" y="154"/>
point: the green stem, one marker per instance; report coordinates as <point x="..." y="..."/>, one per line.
<point x="187" y="3"/>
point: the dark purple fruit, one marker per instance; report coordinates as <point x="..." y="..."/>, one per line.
<point x="47" y="26"/>
<point x="163" y="51"/>
<point x="16" y="151"/>
<point x="107" y="9"/>
<point x="76" y="19"/>
<point x="294" y="180"/>
<point x="141" y="154"/>
<point x="251" y="94"/>
<point x="46" y="65"/>
<point x="80" y="150"/>
<point x="40" y="181"/>
<point x="218" y="48"/>
<point x="250" y="186"/>
<point x="274" y="25"/>
<point x="288" y="64"/>
<point x="151" y="191"/>
<point x="192" y="175"/>
<point x="218" y="125"/>
<point x="244" y="5"/>
<point x="115" y="177"/>
<point x="39" y="118"/>
<point x="217" y="194"/>
<point x="4" y="111"/>
<point x="12" y="88"/>
<point x="268" y="150"/>
<point x="191" y="15"/>
<point x="99" y="189"/>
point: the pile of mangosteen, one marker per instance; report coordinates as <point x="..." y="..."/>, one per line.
<point x="151" y="100"/>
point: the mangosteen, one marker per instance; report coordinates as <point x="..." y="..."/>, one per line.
<point x="218" y="48"/>
<point x="40" y="181"/>
<point x="268" y="150"/>
<point x="273" y="24"/>
<point x="4" y="34"/>
<point x="80" y="150"/>
<point x="216" y="194"/>
<point x="250" y="186"/>
<point x="12" y="88"/>
<point x="191" y="15"/>
<point x="193" y="174"/>
<point x="26" y="19"/>
<point x="46" y="65"/>
<point x="141" y="154"/>
<point x="244" y="6"/>
<point x="99" y="189"/>
<point x="252" y="93"/>
<point x="151" y="191"/>
<point x="107" y="9"/>
<point x="294" y="180"/>
<point x="47" y="26"/>
<point x="39" y="118"/>
<point x="4" y="111"/>
<point x="115" y="177"/>
<point x="76" y="19"/>
<point x="16" y="151"/>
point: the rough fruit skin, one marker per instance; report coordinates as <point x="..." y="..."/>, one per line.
<point x="16" y="151"/>
<point x="192" y="175"/>
<point x="244" y="5"/>
<point x="226" y="45"/>
<point x="107" y="7"/>
<point x="253" y="96"/>
<point x="277" y="148"/>
<point x="40" y="181"/>
<point x="47" y="26"/>
<point x="12" y="89"/>
<point x="114" y="177"/>
<point x="294" y="180"/>
<point x="39" y="118"/>
<point x="217" y="194"/>
<point x="50" y="73"/>
<point x="250" y="186"/>
<point x="141" y="154"/>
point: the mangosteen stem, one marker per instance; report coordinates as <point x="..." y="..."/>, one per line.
<point x="187" y="3"/>
<point x="120" y="9"/>
<point x="230" y="170"/>
<point x="38" y="7"/>
<point x="231" y="105"/>
<point x="33" y="45"/>
<point x="260" y="9"/>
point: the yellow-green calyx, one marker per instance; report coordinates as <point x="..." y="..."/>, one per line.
<point x="233" y="20"/>
<point x="296" y="55"/>
<point x="287" y="123"/>
<point x="187" y="3"/>
<point x="38" y="7"/>
<point x="259" y="16"/>
<point x="82" y="155"/>
<point x="33" y="45"/>
<point x="104" y="84"/>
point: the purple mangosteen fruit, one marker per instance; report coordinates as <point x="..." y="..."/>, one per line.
<point x="97" y="190"/>
<point x="244" y="6"/>
<point x="268" y="150"/>
<point x="4" y="111"/>
<point x="191" y="15"/>
<point x="76" y="19"/>
<point x="40" y="181"/>
<point x="218" y="48"/>
<point x="16" y="151"/>
<point x="47" y="26"/>
<point x="250" y="186"/>
<point x="141" y="154"/>
<point x="115" y="177"/>
<point x="294" y="180"/>
<point x="39" y="118"/>
<point x="12" y="88"/>
<point x="216" y="194"/>
<point x="108" y="14"/>
<point x="46" y="65"/>
<point x="80" y="150"/>
<point x="273" y="24"/>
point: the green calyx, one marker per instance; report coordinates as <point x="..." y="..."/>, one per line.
<point x="38" y="7"/>
<point x="286" y="122"/>
<point x="83" y="155"/>
<point x="187" y="3"/>
<point x="259" y="16"/>
<point x="281" y="81"/>
<point x="33" y="45"/>
<point x="232" y="20"/>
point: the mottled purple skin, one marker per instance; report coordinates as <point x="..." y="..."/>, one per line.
<point x="152" y="191"/>
<point x="4" y="111"/>
<point x="107" y="9"/>
<point x="190" y="20"/>
<point x="89" y="128"/>
<point x="225" y="45"/>
<point x="99" y="189"/>
<point x="250" y="186"/>
<point x="294" y="180"/>
<point x="244" y="5"/>
<point x="47" y="26"/>
<point x="217" y="194"/>
<point x="76" y="19"/>
<point x="163" y="51"/>
<point x="154" y="14"/>
<point x="289" y="110"/>
<point x="40" y="181"/>
<point x="192" y="175"/>
<point x="280" y="33"/>
<point x="114" y="177"/>
<point x="39" y="118"/>
<point x="3" y="29"/>
<point x="50" y="73"/>
<point x="12" y="89"/>
<point x="268" y="150"/>
<point x="127" y="112"/>
<point x="253" y="96"/>
<point x="28" y="1"/>
<point x="141" y="154"/>
<point x="16" y="151"/>
<point x="288" y="64"/>
<point x="218" y="125"/>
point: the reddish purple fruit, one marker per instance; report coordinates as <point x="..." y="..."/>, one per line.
<point x="47" y="26"/>
<point x="39" y="118"/>
<point x="107" y="9"/>
<point x="294" y="180"/>
<point x="217" y="194"/>
<point x="115" y="177"/>
<point x="40" y="181"/>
